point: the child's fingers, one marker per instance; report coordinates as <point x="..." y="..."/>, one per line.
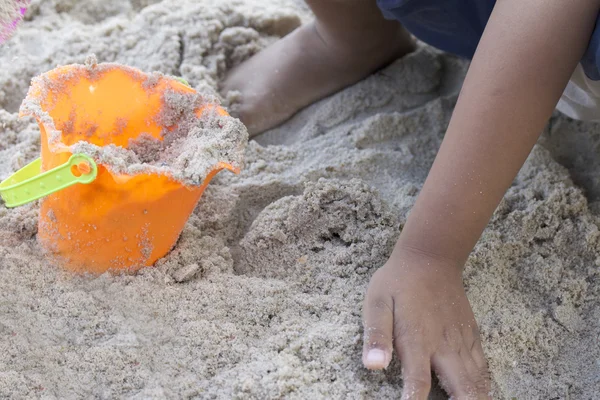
<point x="378" y="320"/>
<point x="483" y="377"/>
<point x="416" y="370"/>
<point x="478" y="355"/>
<point x="474" y="358"/>
<point x="478" y="376"/>
<point x="456" y="379"/>
<point x="453" y="375"/>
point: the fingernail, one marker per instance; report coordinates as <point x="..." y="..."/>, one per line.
<point x="376" y="359"/>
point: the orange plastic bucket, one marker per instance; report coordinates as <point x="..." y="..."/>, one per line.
<point x="120" y="221"/>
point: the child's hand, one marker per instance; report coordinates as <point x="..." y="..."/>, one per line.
<point x="417" y="304"/>
<point x="416" y="301"/>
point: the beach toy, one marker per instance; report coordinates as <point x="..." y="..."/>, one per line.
<point x="29" y="184"/>
<point x="11" y="15"/>
<point x="103" y="206"/>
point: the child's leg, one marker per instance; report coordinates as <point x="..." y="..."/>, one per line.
<point x="349" y="40"/>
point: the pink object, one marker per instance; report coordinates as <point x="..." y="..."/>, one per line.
<point x="7" y="28"/>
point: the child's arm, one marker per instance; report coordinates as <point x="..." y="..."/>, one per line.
<point x="416" y="301"/>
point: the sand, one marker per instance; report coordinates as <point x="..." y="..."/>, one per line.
<point x="9" y="10"/>
<point x="262" y="297"/>
<point x="11" y="14"/>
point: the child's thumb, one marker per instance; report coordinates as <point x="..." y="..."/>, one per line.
<point x="378" y="320"/>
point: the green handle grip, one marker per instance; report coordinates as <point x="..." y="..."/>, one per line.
<point x="28" y="184"/>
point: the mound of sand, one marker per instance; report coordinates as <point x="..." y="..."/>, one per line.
<point x="262" y="296"/>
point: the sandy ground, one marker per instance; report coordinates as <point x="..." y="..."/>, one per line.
<point x="262" y="296"/>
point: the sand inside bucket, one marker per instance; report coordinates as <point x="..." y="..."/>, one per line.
<point x="188" y="150"/>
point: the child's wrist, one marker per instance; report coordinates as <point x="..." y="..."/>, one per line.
<point x="442" y="227"/>
<point x="405" y="253"/>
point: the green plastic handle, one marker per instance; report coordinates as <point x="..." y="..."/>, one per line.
<point x="28" y="184"/>
<point x="180" y="79"/>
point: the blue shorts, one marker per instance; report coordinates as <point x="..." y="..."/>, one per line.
<point x="456" y="26"/>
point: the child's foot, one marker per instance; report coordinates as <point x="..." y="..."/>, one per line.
<point x="306" y="66"/>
